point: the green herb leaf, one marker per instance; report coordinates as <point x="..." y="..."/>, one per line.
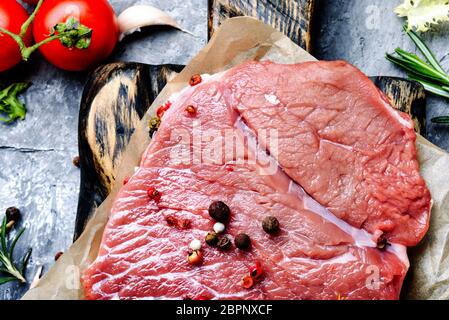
<point x="25" y="259"/>
<point x="3" y="236"/>
<point x="428" y="54"/>
<point x="6" y="280"/>
<point x="10" y="105"/>
<point x="430" y="74"/>
<point x="431" y="87"/>
<point x="441" y="120"/>
<point x="13" y="244"/>
<point x="7" y="264"/>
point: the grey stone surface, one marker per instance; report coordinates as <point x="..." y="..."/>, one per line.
<point x="36" y="171"/>
<point x="362" y="31"/>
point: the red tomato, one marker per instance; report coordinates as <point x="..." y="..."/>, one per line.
<point x="12" y="16"/>
<point x="97" y="15"/>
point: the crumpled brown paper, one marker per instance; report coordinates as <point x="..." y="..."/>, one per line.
<point x="238" y="40"/>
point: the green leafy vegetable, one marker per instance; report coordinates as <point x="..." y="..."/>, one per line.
<point x="11" y="271"/>
<point x="10" y="105"/>
<point x="428" y="72"/>
<point x="422" y="14"/>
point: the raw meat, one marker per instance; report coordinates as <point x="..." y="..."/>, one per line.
<point x="319" y="253"/>
<point x="341" y="141"/>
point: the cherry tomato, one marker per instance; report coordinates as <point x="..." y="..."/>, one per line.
<point x="12" y="16"/>
<point x="97" y="15"/>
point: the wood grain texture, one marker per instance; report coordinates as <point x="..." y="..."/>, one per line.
<point x="406" y="96"/>
<point x="292" y="17"/>
<point x="115" y="98"/>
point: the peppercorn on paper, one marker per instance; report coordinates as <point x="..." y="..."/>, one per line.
<point x="240" y="39"/>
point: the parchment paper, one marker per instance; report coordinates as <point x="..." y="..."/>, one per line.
<point x="241" y="39"/>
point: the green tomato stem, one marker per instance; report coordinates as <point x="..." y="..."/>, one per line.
<point x="26" y="25"/>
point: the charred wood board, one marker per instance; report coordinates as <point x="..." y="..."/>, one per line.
<point x="118" y="95"/>
<point x="115" y="98"/>
<point x="407" y="96"/>
<point x="292" y="17"/>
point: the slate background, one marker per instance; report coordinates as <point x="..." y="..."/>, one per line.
<point x="36" y="171"/>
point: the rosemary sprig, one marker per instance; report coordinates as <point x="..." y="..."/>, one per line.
<point x="441" y="120"/>
<point x="429" y="73"/>
<point x="11" y="271"/>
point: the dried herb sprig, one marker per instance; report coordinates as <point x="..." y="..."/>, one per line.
<point x="429" y="73"/>
<point x="9" y="269"/>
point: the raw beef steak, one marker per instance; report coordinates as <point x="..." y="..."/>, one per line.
<point x="341" y="141"/>
<point x="325" y="249"/>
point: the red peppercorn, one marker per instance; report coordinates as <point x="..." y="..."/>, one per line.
<point x="256" y="271"/>
<point x="195" y="257"/>
<point x="153" y="194"/>
<point x="181" y="224"/>
<point x="191" y="110"/>
<point x="58" y="255"/>
<point x="161" y="110"/>
<point x="126" y="180"/>
<point x="247" y="282"/>
<point x="195" y="79"/>
<point x="201" y="297"/>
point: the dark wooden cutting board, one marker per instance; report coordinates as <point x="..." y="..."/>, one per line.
<point x="115" y="98"/>
<point x="117" y="95"/>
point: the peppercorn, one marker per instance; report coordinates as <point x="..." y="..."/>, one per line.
<point x="162" y="109"/>
<point x="382" y="243"/>
<point x="12" y="214"/>
<point x="256" y="271"/>
<point x="195" y="257"/>
<point x="270" y="225"/>
<point x="195" y="245"/>
<point x="242" y="241"/>
<point x="153" y="125"/>
<point x="178" y="223"/>
<point x="58" y="255"/>
<point x="76" y="161"/>
<point x="195" y="79"/>
<point x="211" y="239"/>
<point x="247" y="282"/>
<point x="153" y="194"/>
<point x="219" y="227"/>
<point x="191" y="110"/>
<point x="224" y="243"/>
<point x="219" y="211"/>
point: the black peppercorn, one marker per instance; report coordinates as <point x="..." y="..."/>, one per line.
<point x="224" y="243"/>
<point x="382" y="243"/>
<point x="12" y="214"/>
<point x="270" y="225"/>
<point x="211" y="239"/>
<point x="219" y="211"/>
<point x="242" y="241"/>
